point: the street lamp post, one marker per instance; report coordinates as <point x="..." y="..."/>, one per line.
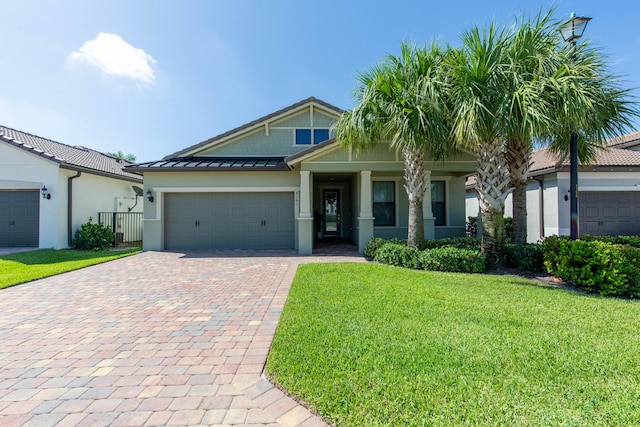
<point x="571" y="31"/>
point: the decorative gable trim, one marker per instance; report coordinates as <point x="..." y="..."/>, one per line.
<point x="261" y="123"/>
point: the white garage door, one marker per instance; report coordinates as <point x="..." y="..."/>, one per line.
<point x="19" y="218"/>
<point x="610" y="214"/>
<point x="229" y="221"/>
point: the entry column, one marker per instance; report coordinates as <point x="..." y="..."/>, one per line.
<point x="305" y="219"/>
<point x="428" y="219"/>
<point x="365" y="218"/>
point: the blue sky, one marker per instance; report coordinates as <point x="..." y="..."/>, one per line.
<point x="150" y="77"/>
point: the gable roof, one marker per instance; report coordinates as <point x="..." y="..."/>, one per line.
<point x="256" y="123"/>
<point x="543" y="161"/>
<point x="69" y="157"/>
<point x="629" y="140"/>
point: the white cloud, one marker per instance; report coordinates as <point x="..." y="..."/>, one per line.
<point x="114" y="56"/>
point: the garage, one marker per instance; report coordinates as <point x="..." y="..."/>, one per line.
<point x="609" y="213"/>
<point x="19" y="218"/>
<point x="229" y="221"/>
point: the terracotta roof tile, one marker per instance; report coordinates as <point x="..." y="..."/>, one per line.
<point x="75" y="157"/>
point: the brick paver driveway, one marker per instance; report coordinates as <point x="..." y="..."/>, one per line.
<point x="158" y="338"/>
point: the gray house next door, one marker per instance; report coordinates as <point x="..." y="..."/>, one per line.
<point x="19" y="218"/>
<point x="229" y="221"/>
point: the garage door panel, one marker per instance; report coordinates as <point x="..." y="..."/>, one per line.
<point x="229" y="220"/>
<point x="19" y="218"/>
<point x="610" y="213"/>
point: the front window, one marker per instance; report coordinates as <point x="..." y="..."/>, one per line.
<point x="438" y="199"/>
<point x="311" y="136"/>
<point x="384" y="203"/>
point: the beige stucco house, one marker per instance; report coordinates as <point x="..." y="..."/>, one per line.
<point x="49" y="189"/>
<point x="282" y="181"/>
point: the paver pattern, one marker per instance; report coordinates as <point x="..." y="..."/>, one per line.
<point x="159" y="338"/>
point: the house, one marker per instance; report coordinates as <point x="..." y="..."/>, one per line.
<point x="282" y="181"/>
<point x="608" y="193"/>
<point x="49" y="189"/>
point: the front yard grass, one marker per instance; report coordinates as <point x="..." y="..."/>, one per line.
<point x="24" y="267"/>
<point x="375" y="345"/>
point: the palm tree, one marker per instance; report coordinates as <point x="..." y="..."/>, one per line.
<point x="479" y="95"/>
<point x="121" y="155"/>
<point x="403" y="101"/>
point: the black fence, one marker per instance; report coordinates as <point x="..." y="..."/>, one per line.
<point x="126" y="225"/>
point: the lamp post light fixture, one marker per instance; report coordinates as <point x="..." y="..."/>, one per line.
<point x="571" y="31"/>
<point x="45" y="193"/>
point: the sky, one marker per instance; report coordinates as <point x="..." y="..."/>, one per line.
<point x="151" y="77"/>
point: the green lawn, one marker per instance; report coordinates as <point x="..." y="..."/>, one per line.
<point x="368" y="345"/>
<point x="24" y="267"/>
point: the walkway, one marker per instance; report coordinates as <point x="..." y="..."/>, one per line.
<point x="158" y="338"/>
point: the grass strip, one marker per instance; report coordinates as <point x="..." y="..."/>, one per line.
<point x="24" y="267"/>
<point x="375" y="345"/>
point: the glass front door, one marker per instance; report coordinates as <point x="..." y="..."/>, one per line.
<point x="331" y="201"/>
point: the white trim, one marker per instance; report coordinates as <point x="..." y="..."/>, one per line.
<point x="225" y="189"/>
<point x="590" y="188"/>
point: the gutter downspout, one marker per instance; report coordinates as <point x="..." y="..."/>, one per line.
<point x="70" y="206"/>
<point x="540" y="206"/>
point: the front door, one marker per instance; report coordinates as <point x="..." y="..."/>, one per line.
<point x="331" y="202"/>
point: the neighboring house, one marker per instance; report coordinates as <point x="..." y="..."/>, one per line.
<point x="49" y="189"/>
<point x="608" y="193"/>
<point x="281" y="182"/>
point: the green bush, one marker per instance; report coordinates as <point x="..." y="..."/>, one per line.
<point x="596" y="266"/>
<point x="617" y="240"/>
<point x="375" y="243"/>
<point x="527" y="257"/>
<point x="94" y="237"/>
<point x="445" y="258"/>
<point x="472" y="243"/>
<point x="449" y="258"/>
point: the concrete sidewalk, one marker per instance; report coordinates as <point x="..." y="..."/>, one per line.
<point x="158" y="338"/>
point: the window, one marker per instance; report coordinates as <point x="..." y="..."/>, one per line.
<point x="384" y="203"/>
<point x="438" y="202"/>
<point x="303" y="136"/>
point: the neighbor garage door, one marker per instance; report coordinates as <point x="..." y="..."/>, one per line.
<point x="612" y="213"/>
<point x="19" y="218"/>
<point x="229" y="221"/>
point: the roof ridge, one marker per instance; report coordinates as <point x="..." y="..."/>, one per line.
<point x="79" y="147"/>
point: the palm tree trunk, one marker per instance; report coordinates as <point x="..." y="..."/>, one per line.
<point x="518" y="158"/>
<point x="415" y="187"/>
<point x="493" y="188"/>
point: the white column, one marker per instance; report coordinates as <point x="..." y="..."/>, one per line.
<point x="305" y="194"/>
<point x="365" y="219"/>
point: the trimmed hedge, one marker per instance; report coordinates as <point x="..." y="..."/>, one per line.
<point x="443" y="258"/>
<point x="93" y="237"/>
<point x="596" y="266"/>
<point x="527" y="257"/>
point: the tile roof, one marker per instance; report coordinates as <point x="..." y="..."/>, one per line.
<point x="628" y="140"/>
<point x="543" y="160"/>
<point x="256" y="122"/>
<point x="76" y="158"/>
<point x="214" y="164"/>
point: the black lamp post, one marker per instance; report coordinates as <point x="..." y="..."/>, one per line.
<point x="571" y="31"/>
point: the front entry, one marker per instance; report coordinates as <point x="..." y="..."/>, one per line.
<point x="331" y="209"/>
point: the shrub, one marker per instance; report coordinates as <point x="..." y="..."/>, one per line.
<point x="445" y="258"/>
<point x="449" y="258"/>
<point x="472" y="243"/>
<point x="619" y="240"/>
<point x="594" y="265"/>
<point x="527" y="257"/>
<point x="508" y="229"/>
<point x="375" y="243"/>
<point x="94" y="237"/>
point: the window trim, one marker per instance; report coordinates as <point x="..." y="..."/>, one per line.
<point x="312" y="130"/>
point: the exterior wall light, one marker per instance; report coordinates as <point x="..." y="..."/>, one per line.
<point x="150" y="195"/>
<point x="45" y="193"/>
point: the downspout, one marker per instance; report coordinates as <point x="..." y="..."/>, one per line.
<point x="70" y="205"/>
<point x="540" y="206"/>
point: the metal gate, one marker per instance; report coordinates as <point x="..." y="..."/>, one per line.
<point x="126" y="225"/>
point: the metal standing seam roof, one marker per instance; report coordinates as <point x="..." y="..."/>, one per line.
<point x="72" y="157"/>
<point x="214" y="163"/>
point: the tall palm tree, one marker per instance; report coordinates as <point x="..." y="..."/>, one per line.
<point x="403" y="101"/>
<point x="121" y="155"/>
<point x="479" y="94"/>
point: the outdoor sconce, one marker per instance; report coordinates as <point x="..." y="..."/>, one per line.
<point x="45" y="193"/>
<point x="150" y="195"/>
